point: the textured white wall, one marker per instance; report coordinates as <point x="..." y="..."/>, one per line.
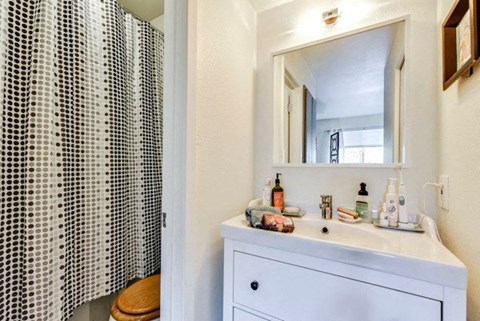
<point x="459" y="157"/>
<point x="293" y="25"/>
<point x="223" y="142"/>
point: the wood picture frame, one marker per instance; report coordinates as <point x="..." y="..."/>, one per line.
<point x="459" y="40"/>
<point x="476" y="33"/>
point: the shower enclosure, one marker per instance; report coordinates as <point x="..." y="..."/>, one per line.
<point x="81" y="154"/>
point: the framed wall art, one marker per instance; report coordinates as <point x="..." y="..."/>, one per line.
<point x="460" y="41"/>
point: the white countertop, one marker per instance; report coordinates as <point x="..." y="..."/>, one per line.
<point x="415" y="255"/>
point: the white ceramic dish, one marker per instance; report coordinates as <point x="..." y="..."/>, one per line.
<point x="350" y="220"/>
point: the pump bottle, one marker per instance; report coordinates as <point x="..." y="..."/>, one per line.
<point x="362" y="203"/>
<point x="277" y="195"/>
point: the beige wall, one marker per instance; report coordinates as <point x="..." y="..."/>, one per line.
<point x="459" y="157"/>
<point x="222" y="136"/>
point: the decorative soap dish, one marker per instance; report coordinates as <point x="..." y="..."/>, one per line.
<point x="350" y="220"/>
<point x="416" y="228"/>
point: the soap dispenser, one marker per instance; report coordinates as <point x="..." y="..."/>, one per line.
<point x="277" y="195"/>
<point x="362" y="203"/>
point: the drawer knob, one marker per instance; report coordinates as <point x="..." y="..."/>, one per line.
<point x="254" y="285"/>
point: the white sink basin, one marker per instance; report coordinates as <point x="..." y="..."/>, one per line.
<point x="338" y="232"/>
<point x="416" y="255"/>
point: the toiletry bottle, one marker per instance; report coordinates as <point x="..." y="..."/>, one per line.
<point x="362" y="203"/>
<point x="267" y="193"/>
<point x="392" y="203"/>
<point x="277" y="195"/>
<point x="375" y="216"/>
<point x="402" y="202"/>
<point x="384" y="215"/>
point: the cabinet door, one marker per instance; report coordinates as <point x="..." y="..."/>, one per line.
<point x="293" y="293"/>
<point x="240" y="315"/>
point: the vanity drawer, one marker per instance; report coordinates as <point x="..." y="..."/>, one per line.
<point x="290" y="292"/>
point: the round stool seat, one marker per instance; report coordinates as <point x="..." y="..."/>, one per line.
<point x="139" y="302"/>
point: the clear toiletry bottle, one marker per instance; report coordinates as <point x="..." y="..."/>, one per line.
<point x="392" y="203"/>
<point x="402" y="202"/>
<point x="267" y="193"/>
<point x="375" y="216"/>
<point x="384" y="215"/>
<point x="362" y="204"/>
<point x="277" y="195"/>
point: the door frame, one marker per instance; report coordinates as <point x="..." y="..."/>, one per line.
<point x="177" y="144"/>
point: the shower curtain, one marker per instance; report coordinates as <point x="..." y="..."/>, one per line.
<point x="81" y="152"/>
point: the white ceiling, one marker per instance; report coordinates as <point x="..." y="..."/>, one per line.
<point x="349" y="73"/>
<point x="145" y="9"/>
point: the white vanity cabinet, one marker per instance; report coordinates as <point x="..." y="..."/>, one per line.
<point x="240" y="315"/>
<point x="291" y="292"/>
<point x="266" y="279"/>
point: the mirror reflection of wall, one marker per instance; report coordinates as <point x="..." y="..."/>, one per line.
<point x="342" y="101"/>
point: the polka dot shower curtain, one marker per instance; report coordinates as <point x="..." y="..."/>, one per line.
<point x="80" y="125"/>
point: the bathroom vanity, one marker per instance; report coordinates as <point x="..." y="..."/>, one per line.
<point x="331" y="271"/>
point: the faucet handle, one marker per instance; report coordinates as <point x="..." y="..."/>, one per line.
<point x="326" y="206"/>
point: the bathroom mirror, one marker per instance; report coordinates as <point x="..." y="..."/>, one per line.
<point x="342" y="100"/>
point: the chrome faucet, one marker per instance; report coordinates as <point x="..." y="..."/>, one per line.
<point x="326" y="207"/>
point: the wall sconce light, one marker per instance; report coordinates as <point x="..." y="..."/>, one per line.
<point x="330" y="17"/>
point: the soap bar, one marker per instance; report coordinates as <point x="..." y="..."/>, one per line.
<point x="347" y="211"/>
<point x="278" y="223"/>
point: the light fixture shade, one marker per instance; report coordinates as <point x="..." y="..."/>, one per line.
<point x="330" y="17"/>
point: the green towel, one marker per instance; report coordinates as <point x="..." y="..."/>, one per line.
<point x="255" y="214"/>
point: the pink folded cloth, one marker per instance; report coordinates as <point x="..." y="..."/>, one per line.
<point x="278" y="223"/>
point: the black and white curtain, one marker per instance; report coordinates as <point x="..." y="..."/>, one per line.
<point x="81" y="154"/>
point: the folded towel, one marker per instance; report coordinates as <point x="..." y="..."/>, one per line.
<point x="268" y="218"/>
<point x="254" y="214"/>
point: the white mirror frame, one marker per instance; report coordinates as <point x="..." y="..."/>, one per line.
<point x="279" y="75"/>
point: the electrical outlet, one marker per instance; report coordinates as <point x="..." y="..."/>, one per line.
<point x="444" y="199"/>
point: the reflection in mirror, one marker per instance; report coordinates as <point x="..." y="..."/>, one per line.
<point x="342" y="101"/>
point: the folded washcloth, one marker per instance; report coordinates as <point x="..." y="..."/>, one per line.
<point x="269" y="218"/>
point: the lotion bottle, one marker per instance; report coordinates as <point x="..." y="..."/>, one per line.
<point x="391" y="198"/>
<point x="277" y="195"/>
<point x="267" y="193"/>
<point x="362" y="203"/>
<point x="402" y="202"/>
<point x="384" y="215"/>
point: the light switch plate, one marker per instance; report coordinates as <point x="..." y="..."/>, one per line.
<point x="444" y="197"/>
